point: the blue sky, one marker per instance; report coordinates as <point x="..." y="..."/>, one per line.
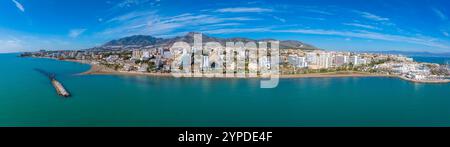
<point x="413" y="25"/>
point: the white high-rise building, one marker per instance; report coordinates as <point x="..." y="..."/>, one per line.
<point x="354" y="60"/>
<point x="137" y="54"/>
<point x="205" y="63"/>
<point x="160" y="51"/>
<point x="264" y="62"/>
<point x="145" y="55"/>
<point x="324" y="60"/>
<point x="293" y="60"/>
<point x="296" y="61"/>
<point x="341" y="60"/>
<point x="302" y="62"/>
<point x="362" y="61"/>
<point x="311" y="58"/>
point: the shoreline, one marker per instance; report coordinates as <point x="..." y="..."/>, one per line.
<point x="101" y="70"/>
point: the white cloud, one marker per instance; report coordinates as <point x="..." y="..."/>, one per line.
<point x="131" y="16"/>
<point x="311" y="18"/>
<point x="439" y="13"/>
<point x="279" y="19"/>
<point x="19" y="5"/>
<point x="318" y="11"/>
<point x="372" y="16"/>
<point x="150" y="23"/>
<point x="446" y="34"/>
<point x="11" y="45"/>
<point x="130" y="3"/>
<point x="361" y="26"/>
<point x="241" y="30"/>
<point x="225" y="24"/>
<point x="323" y="10"/>
<point x="16" y="41"/>
<point x="244" y="10"/>
<point x="74" y="33"/>
<point x="420" y="40"/>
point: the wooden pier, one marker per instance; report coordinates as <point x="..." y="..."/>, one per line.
<point x="60" y="88"/>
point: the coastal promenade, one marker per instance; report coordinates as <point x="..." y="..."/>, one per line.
<point x="97" y="69"/>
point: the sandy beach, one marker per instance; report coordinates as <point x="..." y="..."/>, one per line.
<point x="102" y="70"/>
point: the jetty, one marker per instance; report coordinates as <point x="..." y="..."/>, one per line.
<point x="60" y="88"/>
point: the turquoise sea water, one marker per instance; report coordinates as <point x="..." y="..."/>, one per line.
<point x="28" y="99"/>
<point x="438" y="60"/>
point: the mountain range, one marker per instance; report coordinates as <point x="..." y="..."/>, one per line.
<point x="144" y="40"/>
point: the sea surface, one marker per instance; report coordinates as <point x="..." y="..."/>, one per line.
<point x="438" y="60"/>
<point x="28" y="99"/>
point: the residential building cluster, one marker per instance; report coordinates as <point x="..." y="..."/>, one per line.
<point x="162" y="59"/>
<point x="324" y="59"/>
